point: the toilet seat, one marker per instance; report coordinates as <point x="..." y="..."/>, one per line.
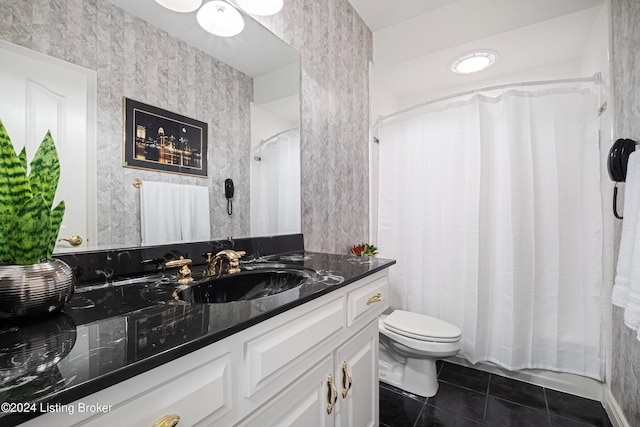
<point x="421" y="327"/>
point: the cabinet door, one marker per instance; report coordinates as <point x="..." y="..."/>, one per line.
<point x="356" y="369"/>
<point x="302" y="404"/>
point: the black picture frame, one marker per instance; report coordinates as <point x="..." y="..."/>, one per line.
<point x="160" y="140"/>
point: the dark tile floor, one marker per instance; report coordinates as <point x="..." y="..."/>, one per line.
<point x="468" y="397"/>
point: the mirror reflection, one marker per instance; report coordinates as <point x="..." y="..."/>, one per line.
<point x="246" y="88"/>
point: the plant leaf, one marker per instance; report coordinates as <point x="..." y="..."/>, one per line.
<point x="45" y="170"/>
<point x="23" y="158"/>
<point x="28" y="231"/>
<point x="15" y="190"/>
<point x="56" y="220"/>
<point x="4" y="249"/>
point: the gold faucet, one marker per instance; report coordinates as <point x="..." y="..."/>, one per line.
<point x="184" y="274"/>
<point x="216" y="264"/>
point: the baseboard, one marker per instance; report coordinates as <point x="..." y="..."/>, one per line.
<point x="566" y="383"/>
<point x="614" y="411"/>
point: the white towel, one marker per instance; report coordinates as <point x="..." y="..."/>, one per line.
<point x="195" y="219"/>
<point x="626" y="288"/>
<point x="171" y="213"/>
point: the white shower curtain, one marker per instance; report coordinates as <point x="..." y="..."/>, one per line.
<point x="278" y="198"/>
<point x="492" y="209"/>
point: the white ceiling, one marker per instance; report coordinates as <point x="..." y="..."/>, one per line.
<point x="379" y="14"/>
<point x="414" y="41"/>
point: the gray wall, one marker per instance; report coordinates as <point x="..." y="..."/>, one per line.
<point x="625" y="381"/>
<point x="336" y="48"/>
<point x="136" y="60"/>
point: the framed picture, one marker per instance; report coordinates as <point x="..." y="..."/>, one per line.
<point x="160" y="140"/>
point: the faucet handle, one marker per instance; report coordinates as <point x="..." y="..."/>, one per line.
<point x="184" y="274"/>
<point x="177" y="262"/>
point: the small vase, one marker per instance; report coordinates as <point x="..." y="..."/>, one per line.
<point x="35" y="290"/>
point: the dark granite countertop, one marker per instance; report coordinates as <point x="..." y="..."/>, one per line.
<point x="113" y="330"/>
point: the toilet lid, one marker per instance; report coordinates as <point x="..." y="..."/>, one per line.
<point x="421" y="327"/>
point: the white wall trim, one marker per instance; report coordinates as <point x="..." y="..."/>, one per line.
<point x="614" y="411"/>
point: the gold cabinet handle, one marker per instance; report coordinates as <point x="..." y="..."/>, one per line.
<point x="170" y="420"/>
<point x="73" y="240"/>
<point x="346" y="380"/>
<point x="375" y="298"/>
<point x="332" y="394"/>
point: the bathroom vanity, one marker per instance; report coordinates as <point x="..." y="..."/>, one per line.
<point x="305" y="356"/>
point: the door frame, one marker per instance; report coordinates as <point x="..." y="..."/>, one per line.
<point x="91" y="197"/>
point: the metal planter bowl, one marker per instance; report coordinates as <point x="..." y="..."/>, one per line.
<point x="35" y="290"/>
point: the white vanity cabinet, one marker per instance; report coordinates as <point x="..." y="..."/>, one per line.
<point x="325" y="361"/>
<point x="340" y="390"/>
<point x="313" y="365"/>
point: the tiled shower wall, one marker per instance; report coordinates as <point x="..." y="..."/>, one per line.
<point x="625" y="381"/>
<point x="336" y="48"/>
<point x="134" y="59"/>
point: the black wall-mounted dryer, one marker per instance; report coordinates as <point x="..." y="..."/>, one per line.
<point x="617" y="166"/>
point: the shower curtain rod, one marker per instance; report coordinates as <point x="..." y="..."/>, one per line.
<point x="596" y="78"/>
<point x="271" y="138"/>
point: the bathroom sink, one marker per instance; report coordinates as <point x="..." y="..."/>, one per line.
<point x="245" y="285"/>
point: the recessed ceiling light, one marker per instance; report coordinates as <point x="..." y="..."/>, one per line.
<point x="220" y="18"/>
<point x="473" y="62"/>
<point x="183" y="6"/>
<point x="261" y="7"/>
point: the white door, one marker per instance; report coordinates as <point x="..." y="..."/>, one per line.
<point x="40" y="93"/>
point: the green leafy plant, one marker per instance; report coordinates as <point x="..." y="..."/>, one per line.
<point x="28" y="224"/>
<point x="364" y="249"/>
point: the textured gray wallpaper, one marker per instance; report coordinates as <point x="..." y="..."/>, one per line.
<point x="136" y="60"/>
<point x="625" y="382"/>
<point x="336" y="48"/>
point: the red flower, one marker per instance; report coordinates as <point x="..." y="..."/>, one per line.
<point x="357" y="249"/>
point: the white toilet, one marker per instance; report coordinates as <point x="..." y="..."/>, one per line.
<point x="410" y="344"/>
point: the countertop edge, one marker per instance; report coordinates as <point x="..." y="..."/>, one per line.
<point x="110" y="379"/>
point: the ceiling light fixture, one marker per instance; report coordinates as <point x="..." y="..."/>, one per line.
<point x="474" y="62"/>
<point x="261" y="7"/>
<point x="220" y="18"/>
<point x="183" y="6"/>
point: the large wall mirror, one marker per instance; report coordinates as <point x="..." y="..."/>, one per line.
<point x="246" y="87"/>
